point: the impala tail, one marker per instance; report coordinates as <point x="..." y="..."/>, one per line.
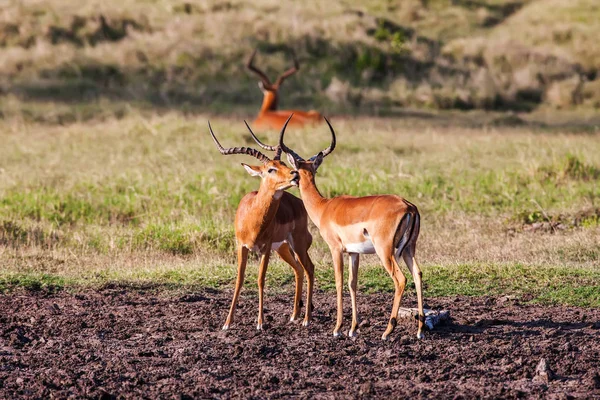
<point x="405" y="231"/>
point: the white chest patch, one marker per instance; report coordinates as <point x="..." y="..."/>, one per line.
<point x="365" y="247"/>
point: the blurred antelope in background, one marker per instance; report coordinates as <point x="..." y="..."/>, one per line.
<point x="271" y="219"/>
<point x="269" y="116"/>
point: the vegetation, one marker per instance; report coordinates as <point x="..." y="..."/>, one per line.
<point x="107" y="174"/>
<point x="148" y="199"/>
<point x="368" y="56"/>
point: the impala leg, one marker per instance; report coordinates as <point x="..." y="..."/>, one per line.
<point x="415" y="270"/>
<point x="352" y="283"/>
<point x="399" y="284"/>
<point x="242" y="260"/>
<point x="262" y="272"/>
<point x="309" y="272"/>
<point x="287" y="256"/>
<point x="338" y="269"/>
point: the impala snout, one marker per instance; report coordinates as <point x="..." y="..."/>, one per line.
<point x="295" y="178"/>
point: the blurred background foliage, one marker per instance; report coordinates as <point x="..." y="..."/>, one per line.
<point x="369" y="57"/>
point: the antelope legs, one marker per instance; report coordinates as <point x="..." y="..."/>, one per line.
<point x="399" y="279"/>
<point x="309" y="272"/>
<point x="262" y="272"/>
<point x="307" y="266"/>
<point x="287" y="256"/>
<point x="338" y="268"/>
<point x="352" y="280"/>
<point x="415" y="270"/>
<point x="242" y="260"/>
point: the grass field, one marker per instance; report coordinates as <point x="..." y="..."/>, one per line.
<point x="117" y="247"/>
<point x="363" y="57"/>
<point x="107" y="173"/>
<point x="147" y="199"/>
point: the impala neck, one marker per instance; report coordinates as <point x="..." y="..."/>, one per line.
<point x="266" y="204"/>
<point x="312" y="198"/>
<point x="269" y="101"/>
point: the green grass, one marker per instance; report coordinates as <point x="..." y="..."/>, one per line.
<point x="541" y="284"/>
<point x="107" y="172"/>
<point x="149" y="200"/>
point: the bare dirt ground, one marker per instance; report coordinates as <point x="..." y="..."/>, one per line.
<point x="126" y="343"/>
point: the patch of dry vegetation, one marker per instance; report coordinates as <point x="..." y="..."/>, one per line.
<point x="368" y="57"/>
<point x="537" y="55"/>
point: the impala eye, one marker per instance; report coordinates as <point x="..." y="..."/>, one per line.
<point x="271" y="170"/>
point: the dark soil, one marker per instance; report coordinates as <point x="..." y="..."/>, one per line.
<point x="126" y="343"/>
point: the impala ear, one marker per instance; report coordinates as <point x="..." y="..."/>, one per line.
<point x="292" y="161"/>
<point x="252" y="170"/>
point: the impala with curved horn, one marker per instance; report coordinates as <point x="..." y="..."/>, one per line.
<point x="271" y="219"/>
<point x="269" y="116"/>
<point x="386" y="225"/>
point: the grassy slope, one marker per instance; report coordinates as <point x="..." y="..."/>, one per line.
<point x="573" y="36"/>
<point x="371" y="57"/>
<point x="149" y="199"/>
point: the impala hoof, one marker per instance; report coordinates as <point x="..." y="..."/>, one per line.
<point x="384" y="337"/>
<point x="336" y="334"/>
<point x="305" y="323"/>
<point x="259" y="327"/>
<point x="352" y="333"/>
<point x="225" y="327"/>
<point x="292" y="319"/>
<point x="420" y="335"/>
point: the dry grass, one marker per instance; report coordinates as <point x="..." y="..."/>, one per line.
<point x="535" y="57"/>
<point x="107" y="174"/>
<point x="148" y="199"/>
<point x="572" y="38"/>
<point x="487" y="54"/>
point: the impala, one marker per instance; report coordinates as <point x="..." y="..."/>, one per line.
<point x="269" y="116"/>
<point x="386" y="225"/>
<point x="271" y="219"/>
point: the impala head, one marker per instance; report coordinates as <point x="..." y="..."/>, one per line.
<point x="312" y="164"/>
<point x="274" y="173"/>
<point x="265" y="84"/>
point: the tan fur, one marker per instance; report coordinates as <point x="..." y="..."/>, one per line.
<point x="264" y="218"/>
<point x="345" y="221"/>
<point x="271" y="217"/>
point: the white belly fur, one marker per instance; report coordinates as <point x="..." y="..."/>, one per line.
<point x="365" y="247"/>
<point x="274" y="247"/>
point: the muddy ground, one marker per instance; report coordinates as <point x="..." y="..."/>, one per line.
<point x="147" y="344"/>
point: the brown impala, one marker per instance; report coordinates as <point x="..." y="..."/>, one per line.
<point x="269" y="116"/>
<point x="271" y="219"/>
<point x="386" y="225"/>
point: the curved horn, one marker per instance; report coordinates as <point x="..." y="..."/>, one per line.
<point x="257" y="140"/>
<point x="282" y="145"/>
<point x="266" y="82"/>
<point x="290" y="71"/>
<point x="281" y="133"/>
<point x="276" y="149"/>
<point x="332" y="145"/>
<point x="238" y="150"/>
